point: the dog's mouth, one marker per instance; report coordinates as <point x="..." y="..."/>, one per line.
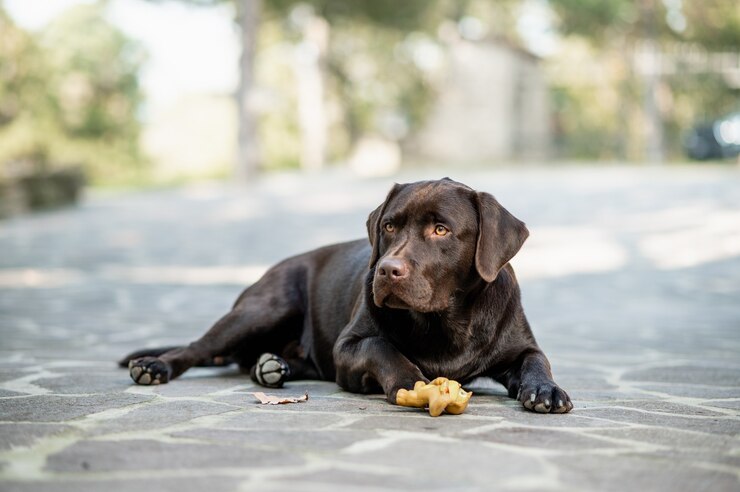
<point x="394" y="302"/>
<point x="386" y="295"/>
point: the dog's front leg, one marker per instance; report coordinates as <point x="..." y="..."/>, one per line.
<point x="367" y="363"/>
<point x="530" y="381"/>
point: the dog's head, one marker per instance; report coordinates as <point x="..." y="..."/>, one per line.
<point x="431" y="239"/>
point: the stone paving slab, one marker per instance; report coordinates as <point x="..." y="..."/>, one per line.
<point x="630" y="279"/>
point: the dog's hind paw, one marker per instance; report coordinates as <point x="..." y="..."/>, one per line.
<point x="271" y="371"/>
<point x="149" y="370"/>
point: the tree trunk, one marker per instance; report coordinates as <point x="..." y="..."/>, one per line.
<point x="248" y="152"/>
<point x="651" y="81"/>
<point x="654" y="120"/>
<point x="310" y="68"/>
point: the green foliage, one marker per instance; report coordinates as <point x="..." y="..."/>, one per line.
<point x="366" y="32"/>
<point x="615" y="29"/>
<point x="714" y="24"/>
<point x="70" y="96"/>
<point x="377" y="79"/>
<point x="586" y="136"/>
<point x="369" y="78"/>
<point x="361" y="98"/>
<point x="695" y="99"/>
<point x="278" y="130"/>
<point x="596" y="20"/>
<point x="408" y="14"/>
<point x="23" y="76"/>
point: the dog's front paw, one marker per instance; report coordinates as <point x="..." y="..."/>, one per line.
<point x="149" y="370"/>
<point x="544" y="397"/>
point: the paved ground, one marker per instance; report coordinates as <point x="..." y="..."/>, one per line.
<point x="631" y="280"/>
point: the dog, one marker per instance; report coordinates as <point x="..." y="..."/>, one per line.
<point x="431" y="294"/>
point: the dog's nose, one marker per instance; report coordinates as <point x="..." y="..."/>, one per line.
<point x="393" y="268"/>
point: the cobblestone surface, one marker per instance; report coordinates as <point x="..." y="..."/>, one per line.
<point x="631" y="280"/>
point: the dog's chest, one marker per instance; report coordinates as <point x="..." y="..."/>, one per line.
<point x="461" y="367"/>
<point x="449" y="351"/>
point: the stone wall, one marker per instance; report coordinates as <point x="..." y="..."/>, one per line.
<point x="39" y="190"/>
<point x="493" y="105"/>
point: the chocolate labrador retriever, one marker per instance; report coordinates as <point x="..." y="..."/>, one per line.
<point x="432" y="294"/>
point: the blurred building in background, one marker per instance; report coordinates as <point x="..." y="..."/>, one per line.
<point x="492" y="107"/>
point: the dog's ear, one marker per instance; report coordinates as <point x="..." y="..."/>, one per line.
<point x="373" y="224"/>
<point x="500" y="236"/>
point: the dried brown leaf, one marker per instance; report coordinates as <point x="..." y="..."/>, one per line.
<point x="279" y="400"/>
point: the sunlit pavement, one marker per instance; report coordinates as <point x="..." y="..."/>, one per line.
<point x="631" y="280"/>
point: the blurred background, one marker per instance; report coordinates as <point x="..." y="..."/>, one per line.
<point x="133" y="93"/>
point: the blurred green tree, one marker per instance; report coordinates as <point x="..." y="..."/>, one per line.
<point x="389" y="19"/>
<point x="654" y="106"/>
<point x="70" y="95"/>
<point x="713" y="24"/>
<point x="361" y="72"/>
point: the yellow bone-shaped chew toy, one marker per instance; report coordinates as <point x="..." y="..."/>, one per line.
<point x="440" y="395"/>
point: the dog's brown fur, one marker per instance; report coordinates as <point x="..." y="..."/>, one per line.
<point x="432" y="294"/>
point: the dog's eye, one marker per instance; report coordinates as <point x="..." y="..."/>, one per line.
<point x="389" y="227"/>
<point x="441" y="230"/>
